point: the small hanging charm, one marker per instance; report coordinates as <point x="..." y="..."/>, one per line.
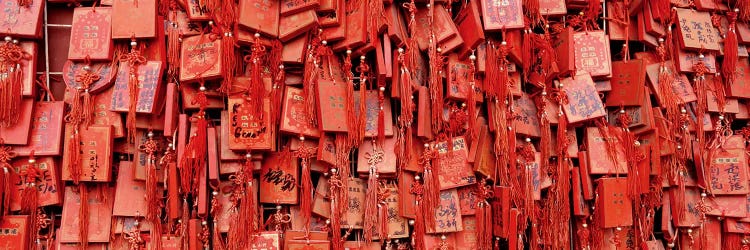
<point x="134" y="238"/>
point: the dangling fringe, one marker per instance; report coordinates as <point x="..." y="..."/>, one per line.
<point x="352" y="120"/>
<point x="471" y="110"/>
<point x="228" y="59"/>
<point x="419" y="226"/>
<point x="431" y="195"/>
<point x="371" y="206"/>
<point x="134" y="59"/>
<point x="730" y="241"/>
<point x="83" y="216"/>
<point x="381" y="112"/>
<point x="257" y="87"/>
<point x="153" y="198"/>
<point x="185" y="222"/>
<point x="307" y="190"/>
<point x="527" y="50"/>
<point x="173" y="44"/>
<point x="194" y="158"/>
<point x="310" y="81"/>
<point x="337" y="243"/>
<point x="74" y="155"/>
<point x="729" y="66"/>
<point x="383" y="215"/>
<point x="343" y="148"/>
<point x="5" y="190"/>
<point x="279" y="81"/>
<point x="217" y="241"/>
<point x="436" y="88"/>
<point x="362" y="120"/>
<point x="156" y="233"/>
<point x="484" y="221"/>
<point x="12" y="84"/>
<point x="744" y="7"/>
<point x="29" y="204"/>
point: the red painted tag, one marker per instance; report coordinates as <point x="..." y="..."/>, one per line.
<point x="294" y="119"/>
<point x="592" y="53"/>
<point x="91" y="34"/>
<point x="454" y="171"/>
<point x="96" y="154"/>
<point x="278" y="179"/>
<point x="366" y="157"/>
<point x="134" y="18"/>
<point x="100" y="214"/>
<point x="49" y="186"/>
<point x="696" y="31"/>
<point x="200" y="58"/>
<point x="261" y="16"/>
<point x="447" y="214"/>
<point x="506" y="14"/>
<point x="15" y="232"/>
<point x="129" y="193"/>
<point x="615" y="207"/>
<point x="20" y="21"/>
<point x="18" y="134"/>
<point x="150" y="91"/>
<point x="248" y="131"/>
<point x="583" y="99"/>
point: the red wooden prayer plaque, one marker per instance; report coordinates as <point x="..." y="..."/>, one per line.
<point x="261" y="16"/>
<point x="100" y="214"/>
<point x="21" y="21"/>
<point x="200" y="58"/>
<point x="96" y="154"/>
<point x="134" y="19"/>
<point x="91" y="34"/>
<point x="150" y="90"/>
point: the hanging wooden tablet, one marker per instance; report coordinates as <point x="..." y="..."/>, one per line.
<point x="134" y="19"/>
<point x="21" y="21"/>
<point x="91" y="34"/>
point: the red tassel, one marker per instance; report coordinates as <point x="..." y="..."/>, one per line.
<point x="257" y="87"/>
<point x="352" y="120"/>
<point x="471" y="110"/>
<point x="431" y="195"/>
<point x="152" y="197"/>
<point x="194" y="158"/>
<point x="744" y="7"/>
<point x="337" y="202"/>
<point x="11" y="55"/>
<point x="174" y="34"/>
<point x="419" y="220"/>
<point x="306" y="188"/>
<point x="6" y="155"/>
<point x="134" y="60"/>
<point x="484" y="217"/>
<point x="247" y="216"/>
<point x="30" y="197"/>
<point x="217" y="241"/>
<point x="83" y="215"/>
<point x="310" y="80"/>
<point x="156" y="233"/>
<point x="228" y="58"/>
<point x="371" y="205"/>
<point x="381" y="112"/>
<point x="279" y="81"/>
<point x="436" y="87"/>
<point x="5" y="190"/>
<point x="729" y="66"/>
<point x="732" y="241"/>
<point x="383" y="193"/>
<point x="362" y="120"/>
<point x="74" y="155"/>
